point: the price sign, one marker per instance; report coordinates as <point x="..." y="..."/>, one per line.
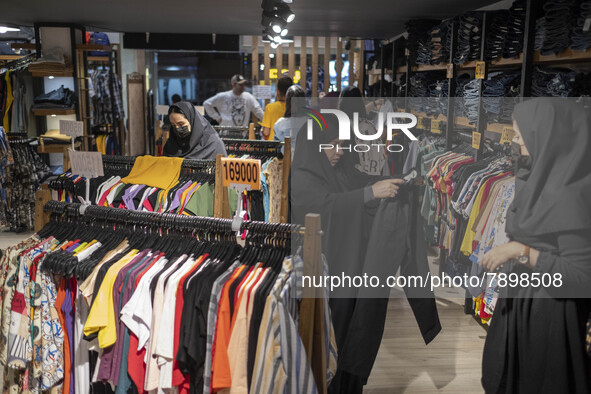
<point x="476" y="136"/>
<point x="424" y="123"/>
<point x="73" y="128"/>
<point x="507" y="135"/>
<point x="262" y="92"/>
<point x="450" y="70"/>
<point x="242" y="172"/>
<point x="86" y="164"/>
<point x="436" y="126"/>
<point x="480" y="70"/>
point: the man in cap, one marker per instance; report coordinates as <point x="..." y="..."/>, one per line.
<point x="233" y="108"/>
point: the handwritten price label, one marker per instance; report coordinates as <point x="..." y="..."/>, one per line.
<point x="86" y="164"/>
<point x="476" y="137"/>
<point x="72" y="128"/>
<point x="436" y="126"/>
<point x="480" y="70"/>
<point x="242" y="172"/>
<point x="424" y="123"/>
<point x="507" y="135"/>
<point x="450" y="70"/>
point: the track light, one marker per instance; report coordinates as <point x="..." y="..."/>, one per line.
<point x="283" y="11"/>
<point x="274" y="45"/>
<point x="278" y="25"/>
<point x="283" y="32"/>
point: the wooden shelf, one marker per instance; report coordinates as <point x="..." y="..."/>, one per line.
<point x="11" y="57"/>
<point x="567" y="56"/>
<point x="104" y="59"/>
<point x="65" y="73"/>
<point x="464" y="122"/>
<point x="49" y="112"/>
<point x="23" y="46"/>
<point x="93" y="47"/>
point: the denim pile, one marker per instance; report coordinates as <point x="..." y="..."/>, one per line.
<point x="469" y="34"/>
<point x="499" y="95"/>
<point x="425" y="90"/>
<point x="418" y="41"/>
<point x="440" y="44"/>
<point x="438" y="94"/>
<point x="581" y="86"/>
<point x="553" y="30"/>
<point x="60" y="98"/>
<point x="461" y="82"/>
<point x="471" y="100"/>
<point x="513" y="44"/>
<point x="552" y="82"/>
<point x="581" y="38"/>
<point x="497" y="33"/>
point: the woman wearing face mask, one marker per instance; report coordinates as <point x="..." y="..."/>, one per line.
<point x="346" y="199"/>
<point x="536" y="341"/>
<point x="191" y="136"/>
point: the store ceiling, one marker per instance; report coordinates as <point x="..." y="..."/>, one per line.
<point x="355" y="18"/>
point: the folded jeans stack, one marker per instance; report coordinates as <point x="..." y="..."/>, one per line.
<point x="581" y="86"/>
<point x="513" y="44"/>
<point x="496" y="88"/>
<point x="61" y="98"/>
<point x="553" y="30"/>
<point x="469" y="33"/>
<point x="552" y="82"/>
<point x="581" y="33"/>
<point x="418" y="39"/>
<point x="439" y="44"/>
<point x="496" y="34"/>
<point x="471" y="100"/>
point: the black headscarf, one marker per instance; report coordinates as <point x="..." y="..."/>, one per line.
<point x="203" y="143"/>
<point x="554" y="194"/>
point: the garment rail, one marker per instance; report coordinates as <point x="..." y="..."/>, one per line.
<point x="311" y="310"/>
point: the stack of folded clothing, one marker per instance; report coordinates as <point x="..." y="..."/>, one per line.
<point x="62" y="98"/>
<point x="469" y="34"/>
<point x="581" y="87"/>
<point x="581" y="33"/>
<point x="52" y="61"/>
<point x="513" y="45"/>
<point x="552" y="82"/>
<point x="439" y="44"/>
<point x="438" y="93"/>
<point x="553" y="30"/>
<point x="418" y="36"/>
<point x="471" y="100"/>
<point x="461" y="81"/>
<point x="497" y="33"/>
<point x="495" y="89"/>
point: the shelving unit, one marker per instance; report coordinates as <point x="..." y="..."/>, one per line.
<point x="50" y="112"/>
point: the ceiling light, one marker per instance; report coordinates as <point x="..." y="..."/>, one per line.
<point x="277" y="39"/>
<point x="283" y="11"/>
<point x="173" y="68"/>
<point x="271" y="55"/>
<point x="267" y="38"/>
<point x="6" y="29"/>
<point x="278" y="25"/>
<point x="274" y="45"/>
<point x="287" y="39"/>
<point x="283" y="32"/>
<point x="51" y="77"/>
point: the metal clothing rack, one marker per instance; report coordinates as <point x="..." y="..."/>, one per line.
<point x="311" y="314"/>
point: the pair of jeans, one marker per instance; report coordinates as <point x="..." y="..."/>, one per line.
<point x="469" y="34"/>
<point x="513" y="44"/>
<point x="553" y="30"/>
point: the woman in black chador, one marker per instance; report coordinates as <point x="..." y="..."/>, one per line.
<point x="536" y="342"/>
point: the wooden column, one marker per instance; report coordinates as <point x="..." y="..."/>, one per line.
<point x="315" y="67"/>
<point x="291" y="60"/>
<point x="267" y="67"/>
<point x="303" y="62"/>
<point x="285" y="180"/>
<point x="221" y="205"/>
<point x="351" y="59"/>
<point x="339" y="62"/>
<point x="279" y="60"/>
<point x="359" y="67"/>
<point x="42" y="197"/>
<point x="255" y="60"/>
<point x="251" y="133"/>
<point x="326" y="63"/>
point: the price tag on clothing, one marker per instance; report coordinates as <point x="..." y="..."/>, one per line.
<point x="242" y="172"/>
<point x="436" y="126"/>
<point x="476" y="136"/>
<point x="86" y="164"/>
<point x="262" y="92"/>
<point x="480" y="70"/>
<point x="450" y="70"/>
<point x="73" y="128"/>
<point x="507" y="135"/>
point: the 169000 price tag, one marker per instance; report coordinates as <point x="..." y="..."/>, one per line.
<point x="242" y="172"/>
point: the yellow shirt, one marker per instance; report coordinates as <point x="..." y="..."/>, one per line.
<point x="102" y="314"/>
<point x="160" y="172"/>
<point x="273" y="112"/>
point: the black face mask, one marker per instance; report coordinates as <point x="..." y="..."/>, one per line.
<point x="521" y="161"/>
<point x="181" y="132"/>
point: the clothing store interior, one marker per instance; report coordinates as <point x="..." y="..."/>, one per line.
<point x="194" y="194"/>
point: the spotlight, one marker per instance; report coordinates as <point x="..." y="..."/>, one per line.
<point x="287" y="39"/>
<point x="283" y="32"/>
<point x="274" y="45"/>
<point x="283" y="11"/>
<point x="6" y="29"/>
<point x="278" y="25"/>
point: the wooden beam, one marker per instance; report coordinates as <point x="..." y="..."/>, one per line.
<point x="326" y="63"/>
<point x="359" y="68"/>
<point x="351" y="59"/>
<point x="315" y="67"/>
<point x="339" y="63"/>
<point x="291" y="60"/>
<point x="255" y="60"/>
<point x="279" y="60"/>
<point x="267" y="67"/>
<point x="303" y="62"/>
<point x="221" y="206"/>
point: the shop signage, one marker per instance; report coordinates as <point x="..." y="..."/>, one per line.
<point x="72" y="128"/>
<point x="480" y="70"/>
<point x="241" y="172"/>
<point x="476" y="136"/>
<point x="262" y="92"/>
<point x="424" y="123"/>
<point x="273" y="74"/>
<point x="507" y="135"/>
<point x="86" y="164"/>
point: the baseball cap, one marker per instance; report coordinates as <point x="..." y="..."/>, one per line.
<point x="238" y="79"/>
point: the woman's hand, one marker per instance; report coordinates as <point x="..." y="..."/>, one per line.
<point x="387" y="188"/>
<point x="499" y="255"/>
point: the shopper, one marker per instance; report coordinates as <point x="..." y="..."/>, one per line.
<point x="191" y="136"/>
<point x="176" y="98"/>
<point x="274" y="111"/>
<point x="536" y="342"/>
<point x="294" y="117"/>
<point x="233" y="108"/>
<point x="321" y="183"/>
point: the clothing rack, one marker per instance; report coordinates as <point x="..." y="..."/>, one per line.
<point x="311" y="322"/>
<point x="21" y="63"/>
<point x="189" y="166"/>
<point x="229" y="129"/>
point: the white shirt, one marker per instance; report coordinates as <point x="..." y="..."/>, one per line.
<point x="289" y="128"/>
<point x="231" y="110"/>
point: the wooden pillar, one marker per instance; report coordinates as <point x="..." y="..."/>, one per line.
<point x="255" y="60"/>
<point x="291" y="60"/>
<point x="279" y="60"/>
<point x="42" y="197"/>
<point x="251" y="133"/>
<point x="303" y="62"/>
<point x="360" y="63"/>
<point x="285" y="180"/>
<point x="221" y="206"/>
<point x="326" y="63"/>
<point x="315" y="67"/>
<point x="351" y="59"/>
<point x="267" y="67"/>
<point x="339" y="62"/>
